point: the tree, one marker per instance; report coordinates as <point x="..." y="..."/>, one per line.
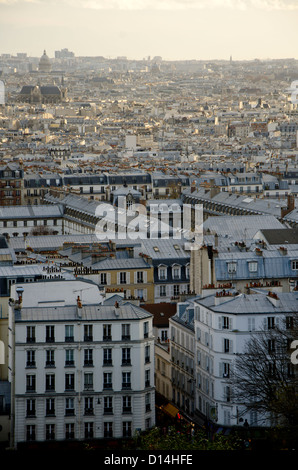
<point x="156" y="439"/>
<point x="42" y="230"/>
<point x="264" y="379"/>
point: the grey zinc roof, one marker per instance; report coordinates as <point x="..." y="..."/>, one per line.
<point x="263" y="206"/>
<point x="21" y="270"/>
<point x="241" y="227"/>
<point x="254" y="304"/>
<point x="271" y="265"/>
<point x="128" y="263"/>
<point x="259" y="304"/>
<point x="126" y="311"/>
<point x="30" y="212"/>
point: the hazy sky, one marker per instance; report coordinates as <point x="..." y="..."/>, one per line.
<point x="173" y="29"/>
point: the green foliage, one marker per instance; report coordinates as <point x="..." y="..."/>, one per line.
<point x="183" y="440"/>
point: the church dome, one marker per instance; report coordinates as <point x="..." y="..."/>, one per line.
<point x="45" y="63"/>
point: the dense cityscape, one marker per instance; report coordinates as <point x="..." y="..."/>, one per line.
<point x="148" y="252"/>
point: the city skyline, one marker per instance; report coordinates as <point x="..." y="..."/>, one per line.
<point x="196" y="29"/>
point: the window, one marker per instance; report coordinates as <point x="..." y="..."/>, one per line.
<point x="253" y="267"/>
<point x="123" y="278"/>
<point x="226" y="370"/>
<point x="50" y="432"/>
<point x="126" y="426"/>
<point x="89" y="433"/>
<point x="103" y="278"/>
<point x="232" y="268"/>
<point x="50" y="407"/>
<point x="50" y="334"/>
<point x="50" y="358"/>
<point x="126" y="380"/>
<point x="176" y="288"/>
<point x="107" y="380"/>
<point x="140" y="277"/>
<point x="107" y="357"/>
<point x="162" y="274"/>
<point x="30" y="408"/>
<point x="289" y="323"/>
<point x="69" y="407"/>
<point x="225" y="323"/>
<point x="162" y="291"/>
<point x="107" y="332"/>
<point x="146" y="329"/>
<point x="227" y="345"/>
<point x="69" y="336"/>
<point x="69" y="431"/>
<point x="30" y="358"/>
<point x="88" y="381"/>
<point x="270" y="323"/>
<point x="294" y="265"/>
<point x="88" y="406"/>
<point x="108" y="429"/>
<point x="126" y="404"/>
<point x="50" y="382"/>
<point x="30" y="334"/>
<point x="147" y="354"/>
<point x="30" y="432"/>
<point x="164" y="335"/>
<point x="271" y="345"/>
<point x="69" y="357"/>
<point x="147" y="378"/>
<point x="147" y="402"/>
<point x="126" y="359"/>
<point x="108" y="405"/>
<point x="30" y="383"/>
<point x="176" y="273"/>
<point x="88" y="332"/>
<point x="88" y="357"/>
<point x="125" y="332"/>
<point x="228" y="394"/>
<point x="69" y="381"/>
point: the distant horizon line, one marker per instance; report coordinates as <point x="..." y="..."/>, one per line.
<point x="151" y="58"/>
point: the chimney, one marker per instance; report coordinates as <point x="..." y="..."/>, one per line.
<point x="79" y="302"/>
<point x="290" y="205"/>
<point x="273" y="298"/>
<point x="117" y="310"/>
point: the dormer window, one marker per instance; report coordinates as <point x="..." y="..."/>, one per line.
<point x="176" y="271"/>
<point x="253" y="266"/>
<point x="232" y="267"/>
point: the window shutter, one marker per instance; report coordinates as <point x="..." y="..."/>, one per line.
<point x="135" y="277"/>
<point x="219" y="322"/>
<point x="220" y="369"/>
<point x="108" y="279"/>
<point x="145" y="294"/>
<point x="231" y="323"/>
<point x="128" y="294"/>
<point x="118" y="279"/>
<point x="145" y="276"/>
<point x="128" y="278"/>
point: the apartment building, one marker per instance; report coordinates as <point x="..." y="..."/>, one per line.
<point x="182" y="356"/>
<point x="22" y="221"/>
<point x="223" y="323"/>
<point x="81" y="370"/>
<point x="11" y="184"/>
